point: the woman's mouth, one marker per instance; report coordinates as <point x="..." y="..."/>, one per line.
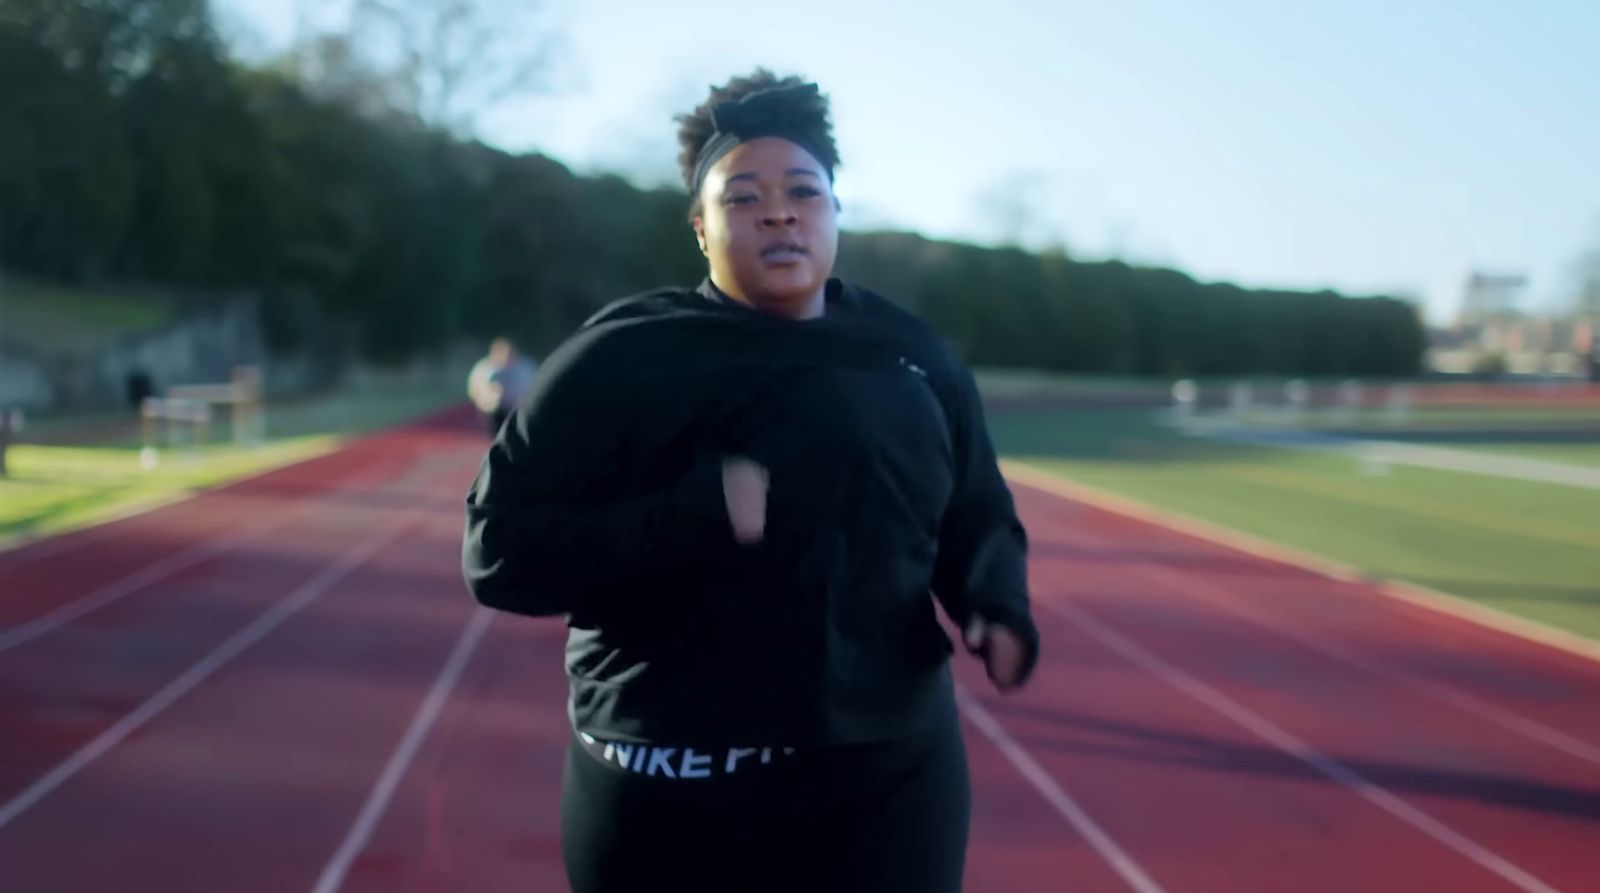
<point x="782" y="253"/>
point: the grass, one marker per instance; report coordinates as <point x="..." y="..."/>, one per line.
<point x="1438" y="417"/>
<point x="1028" y="383"/>
<point x="52" y="489"/>
<point x="55" y="316"/>
<point x="349" y="414"/>
<point x="1527" y="548"/>
<point x="1008" y="382"/>
<point x="1553" y="433"/>
<point x="1587" y="454"/>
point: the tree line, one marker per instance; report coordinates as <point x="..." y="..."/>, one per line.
<point x="135" y="147"/>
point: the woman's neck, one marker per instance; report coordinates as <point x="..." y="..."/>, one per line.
<point x="811" y="307"/>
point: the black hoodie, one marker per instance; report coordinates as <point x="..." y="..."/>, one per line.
<point x="602" y="500"/>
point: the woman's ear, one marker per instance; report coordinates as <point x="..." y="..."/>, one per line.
<point x="699" y="224"/>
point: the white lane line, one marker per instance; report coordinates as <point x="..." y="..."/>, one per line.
<point x="160" y="570"/>
<point x="35" y="549"/>
<point x="122" y="588"/>
<point x="126" y="586"/>
<point x="1080" y="820"/>
<point x="1506" y="719"/>
<point x="1288" y="743"/>
<point x="366" y="823"/>
<point x="219" y="657"/>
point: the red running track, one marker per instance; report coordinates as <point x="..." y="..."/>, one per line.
<point x="282" y="686"/>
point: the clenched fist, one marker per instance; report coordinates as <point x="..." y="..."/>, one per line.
<point x="1003" y="652"/>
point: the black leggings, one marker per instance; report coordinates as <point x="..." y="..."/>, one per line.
<point x="882" y="817"/>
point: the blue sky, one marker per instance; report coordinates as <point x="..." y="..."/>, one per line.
<point x="1362" y="145"/>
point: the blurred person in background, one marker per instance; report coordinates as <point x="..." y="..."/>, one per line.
<point x="498" y="382"/>
<point x="741" y="496"/>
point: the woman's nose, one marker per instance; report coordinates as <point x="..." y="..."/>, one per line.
<point x="779" y="217"/>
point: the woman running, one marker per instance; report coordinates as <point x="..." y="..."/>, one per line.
<point x="741" y="496"/>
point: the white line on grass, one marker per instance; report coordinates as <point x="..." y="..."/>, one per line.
<point x="1542" y="471"/>
<point x="383" y="791"/>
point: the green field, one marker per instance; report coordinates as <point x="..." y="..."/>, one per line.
<point x="54" y="488"/>
<point x="1526" y="548"/>
<point x="1431" y="418"/>
<point x="1586" y="454"/>
<point x="1026" y="383"/>
<point x="349" y="414"/>
<point x="57" y="316"/>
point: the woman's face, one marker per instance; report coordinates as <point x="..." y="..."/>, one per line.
<point x="769" y="227"/>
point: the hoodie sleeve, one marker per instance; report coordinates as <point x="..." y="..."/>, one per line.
<point x="555" y="519"/>
<point x="982" y="564"/>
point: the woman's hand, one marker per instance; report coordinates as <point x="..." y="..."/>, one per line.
<point x="744" y="490"/>
<point x="1003" y="651"/>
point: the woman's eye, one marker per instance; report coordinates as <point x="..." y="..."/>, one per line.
<point x="740" y="199"/>
<point x="805" y="192"/>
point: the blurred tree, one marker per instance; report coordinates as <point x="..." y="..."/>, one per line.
<point x="205" y="207"/>
<point x="67" y="176"/>
<point x="445" y="61"/>
<point x="1011" y="208"/>
<point x="341" y="188"/>
<point x="113" y="42"/>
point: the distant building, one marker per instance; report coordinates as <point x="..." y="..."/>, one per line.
<point x="1487" y="297"/>
<point x="1494" y="335"/>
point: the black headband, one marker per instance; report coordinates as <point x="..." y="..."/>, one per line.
<point x="769" y="112"/>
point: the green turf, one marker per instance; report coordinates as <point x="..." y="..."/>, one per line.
<point x="56" y="488"/>
<point x="51" y="316"/>
<point x="1011" y="382"/>
<point x="1586" y="454"/>
<point x="358" y="413"/>
<point x="344" y="414"/>
<point x="1527" y="548"/>
<point x="1030" y="383"/>
<point x="1435" y="417"/>
<point x="52" y="489"/>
